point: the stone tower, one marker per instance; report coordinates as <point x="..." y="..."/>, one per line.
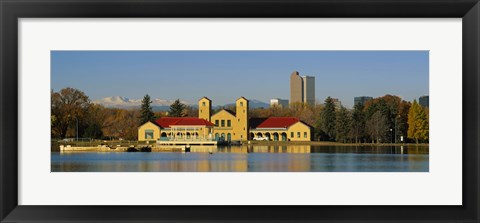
<point x="205" y="108"/>
<point x="242" y="118"/>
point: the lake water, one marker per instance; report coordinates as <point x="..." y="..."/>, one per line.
<point x="291" y="158"/>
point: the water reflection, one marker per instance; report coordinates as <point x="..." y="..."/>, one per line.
<point x="247" y="158"/>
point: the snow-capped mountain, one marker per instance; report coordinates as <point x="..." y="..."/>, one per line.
<point x="123" y="102"/>
<point x="160" y="104"/>
<point x="253" y="103"/>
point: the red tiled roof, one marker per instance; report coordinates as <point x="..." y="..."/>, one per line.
<point x="167" y="122"/>
<point x="278" y="122"/>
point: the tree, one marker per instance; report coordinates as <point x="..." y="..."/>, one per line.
<point x="377" y="126"/>
<point x="343" y="125"/>
<point x="121" y="123"/>
<point x="358" y="123"/>
<point x="328" y="119"/>
<point x="417" y="123"/>
<point x="95" y="120"/>
<point x="402" y="119"/>
<point x="146" y="111"/>
<point x="395" y="110"/>
<point x="177" y="109"/>
<point x="190" y="111"/>
<point x="68" y="106"/>
<point x="93" y="131"/>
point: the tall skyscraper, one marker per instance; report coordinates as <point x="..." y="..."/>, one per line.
<point x="424" y="101"/>
<point x="309" y="90"/>
<point x="302" y="88"/>
<point x="296" y="88"/>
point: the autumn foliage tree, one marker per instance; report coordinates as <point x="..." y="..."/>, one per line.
<point x="68" y="106"/>
<point x="418" y="129"/>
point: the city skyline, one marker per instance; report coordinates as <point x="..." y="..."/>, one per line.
<point x="260" y="75"/>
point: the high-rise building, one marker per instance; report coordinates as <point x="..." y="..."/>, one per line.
<point x="296" y="88"/>
<point x="424" y="101"/>
<point x="302" y="88"/>
<point x="309" y="90"/>
<point x="279" y="102"/>
<point x="361" y="100"/>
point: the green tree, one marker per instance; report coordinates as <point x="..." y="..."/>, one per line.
<point x="402" y="120"/>
<point x="93" y="131"/>
<point x="177" y="109"/>
<point x="146" y="111"/>
<point x="343" y="125"/>
<point x="358" y="123"/>
<point x="417" y="123"/>
<point x="328" y="119"/>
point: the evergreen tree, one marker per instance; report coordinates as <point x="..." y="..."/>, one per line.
<point x="146" y="113"/>
<point x="358" y="123"/>
<point x="177" y="109"/>
<point x="343" y="125"/>
<point x="417" y="123"/>
<point x="328" y="119"/>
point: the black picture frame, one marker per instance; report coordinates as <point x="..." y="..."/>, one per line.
<point x="12" y="10"/>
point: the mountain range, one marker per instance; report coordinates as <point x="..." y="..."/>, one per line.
<point x="160" y="104"/>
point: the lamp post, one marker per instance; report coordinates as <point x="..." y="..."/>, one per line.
<point x="391" y="131"/>
<point x="76" y="132"/>
<point x="76" y="127"/>
<point x="395" y="133"/>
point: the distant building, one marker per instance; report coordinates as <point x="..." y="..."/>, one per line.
<point x="302" y="88"/>
<point x="361" y="100"/>
<point x="309" y="90"/>
<point x="337" y="103"/>
<point x="423" y="101"/>
<point x="279" y="102"/>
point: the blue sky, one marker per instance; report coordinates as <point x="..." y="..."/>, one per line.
<point x="224" y="76"/>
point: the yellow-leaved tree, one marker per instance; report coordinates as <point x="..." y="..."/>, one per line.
<point x="417" y="123"/>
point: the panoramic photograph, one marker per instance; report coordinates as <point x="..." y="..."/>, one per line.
<point x="239" y="111"/>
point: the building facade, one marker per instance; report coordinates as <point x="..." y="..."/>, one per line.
<point x="279" y="102"/>
<point x="361" y="100"/>
<point x="296" y="88"/>
<point x="228" y="125"/>
<point x="302" y="89"/>
<point x="174" y="128"/>
<point x="424" y="101"/>
<point x="280" y="129"/>
<point x="309" y="90"/>
<point x="224" y="125"/>
<point x="337" y="103"/>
